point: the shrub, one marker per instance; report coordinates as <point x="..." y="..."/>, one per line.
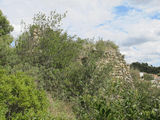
<point x="19" y="98"/>
<point x="135" y="74"/>
<point x="102" y="45"/>
<point x="92" y="108"/>
<point x="148" y="77"/>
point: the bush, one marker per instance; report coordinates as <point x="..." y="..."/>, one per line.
<point x="19" y="98"/>
<point x="148" y="77"/>
<point x="92" y="108"/>
<point x="134" y="74"/>
<point x="102" y="45"/>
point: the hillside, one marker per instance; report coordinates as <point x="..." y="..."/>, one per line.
<point x="52" y="75"/>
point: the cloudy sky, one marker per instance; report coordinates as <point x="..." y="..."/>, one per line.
<point x="134" y="25"/>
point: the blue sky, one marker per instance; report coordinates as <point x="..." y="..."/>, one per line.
<point x="156" y="16"/>
<point x="122" y="10"/>
<point x="134" y="25"/>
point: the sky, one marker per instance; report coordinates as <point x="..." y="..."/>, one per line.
<point x="134" y="25"/>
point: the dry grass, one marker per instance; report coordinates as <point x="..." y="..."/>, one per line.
<point x="60" y="110"/>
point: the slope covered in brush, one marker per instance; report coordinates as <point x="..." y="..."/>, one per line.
<point x="90" y="79"/>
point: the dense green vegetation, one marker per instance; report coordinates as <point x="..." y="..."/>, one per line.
<point x="19" y="98"/>
<point x="144" y="67"/>
<point x="49" y="74"/>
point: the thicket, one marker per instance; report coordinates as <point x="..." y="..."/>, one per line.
<point x="19" y="98"/>
<point x="68" y="69"/>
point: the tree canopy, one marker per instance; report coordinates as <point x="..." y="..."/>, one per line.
<point x="144" y="67"/>
<point x="5" y="27"/>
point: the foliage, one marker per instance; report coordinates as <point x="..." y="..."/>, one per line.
<point x="102" y="45"/>
<point x="44" y="44"/>
<point x="19" y="97"/>
<point x="126" y="101"/>
<point x="5" y="40"/>
<point x="148" y="77"/>
<point x="5" y="49"/>
<point x="92" y="108"/>
<point x="72" y="72"/>
<point x="135" y="74"/>
<point x="5" y="27"/>
<point x="144" y="67"/>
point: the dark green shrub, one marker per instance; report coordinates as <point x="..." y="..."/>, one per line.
<point x="5" y="28"/>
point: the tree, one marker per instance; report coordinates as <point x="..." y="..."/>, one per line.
<point x="144" y="67"/>
<point x="5" y="40"/>
<point x="5" y="27"/>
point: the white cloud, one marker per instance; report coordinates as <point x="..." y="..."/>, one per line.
<point x="148" y="6"/>
<point x="17" y="30"/>
<point x="136" y="33"/>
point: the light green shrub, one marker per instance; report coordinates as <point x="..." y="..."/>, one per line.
<point x="19" y="98"/>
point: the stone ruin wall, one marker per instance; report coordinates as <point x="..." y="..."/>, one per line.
<point x="112" y="56"/>
<point x="120" y="68"/>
